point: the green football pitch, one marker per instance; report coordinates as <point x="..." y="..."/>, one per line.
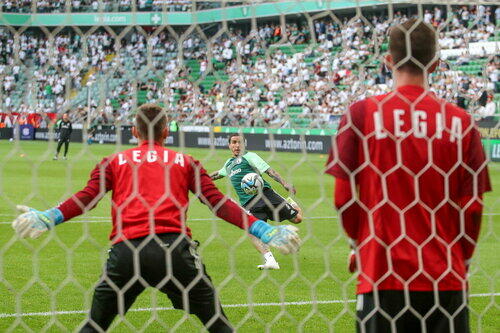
<point x="47" y="284"/>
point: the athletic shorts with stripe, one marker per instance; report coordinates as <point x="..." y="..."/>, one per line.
<point x="415" y="311"/>
<point x="270" y="206"/>
<point x="168" y="262"/>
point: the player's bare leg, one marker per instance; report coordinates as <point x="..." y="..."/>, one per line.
<point x="269" y="260"/>
<point x="298" y="218"/>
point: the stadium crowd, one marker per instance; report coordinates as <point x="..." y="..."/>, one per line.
<point x="255" y="80"/>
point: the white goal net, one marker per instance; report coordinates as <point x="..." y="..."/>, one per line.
<point x="282" y="77"/>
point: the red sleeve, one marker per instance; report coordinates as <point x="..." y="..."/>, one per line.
<point x="475" y="178"/>
<point x="344" y="155"/>
<point x="473" y="210"/>
<point x="99" y="183"/>
<point x="474" y="181"/>
<point x="348" y="208"/>
<point x="204" y="188"/>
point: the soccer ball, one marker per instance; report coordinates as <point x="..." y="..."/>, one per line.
<point x="252" y="183"/>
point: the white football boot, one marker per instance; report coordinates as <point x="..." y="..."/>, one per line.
<point x="269" y="264"/>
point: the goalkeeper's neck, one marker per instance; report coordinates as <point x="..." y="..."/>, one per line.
<point x="152" y="142"/>
<point x="406" y="78"/>
<point x="159" y="140"/>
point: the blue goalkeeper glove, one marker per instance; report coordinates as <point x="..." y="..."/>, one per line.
<point x="283" y="237"/>
<point x="32" y="223"/>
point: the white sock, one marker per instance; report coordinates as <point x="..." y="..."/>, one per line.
<point x="268" y="257"/>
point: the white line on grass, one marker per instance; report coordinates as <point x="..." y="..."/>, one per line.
<point x="108" y="220"/>
<point x="53" y="313"/>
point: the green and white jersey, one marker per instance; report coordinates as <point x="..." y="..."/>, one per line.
<point x="237" y="167"/>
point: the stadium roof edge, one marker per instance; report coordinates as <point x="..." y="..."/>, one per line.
<point x="233" y="13"/>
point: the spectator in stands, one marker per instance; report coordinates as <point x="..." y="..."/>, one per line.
<point x="489" y="109"/>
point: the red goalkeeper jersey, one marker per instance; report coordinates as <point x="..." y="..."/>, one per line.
<point x="413" y="159"/>
<point x="150" y="188"/>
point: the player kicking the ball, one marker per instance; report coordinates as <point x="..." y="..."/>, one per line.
<point x="266" y="206"/>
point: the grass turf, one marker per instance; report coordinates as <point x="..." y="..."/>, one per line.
<point x="58" y="271"/>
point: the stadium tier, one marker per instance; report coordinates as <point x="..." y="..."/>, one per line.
<point x="288" y="75"/>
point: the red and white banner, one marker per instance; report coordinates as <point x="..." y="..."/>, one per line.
<point x="10" y="119"/>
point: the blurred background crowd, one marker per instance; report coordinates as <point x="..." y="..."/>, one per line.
<point x="282" y="73"/>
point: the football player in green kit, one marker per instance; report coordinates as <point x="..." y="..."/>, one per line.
<point x="268" y="205"/>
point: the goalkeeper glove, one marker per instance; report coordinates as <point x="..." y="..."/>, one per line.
<point x="32" y="223"/>
<point x="283" y="237"/>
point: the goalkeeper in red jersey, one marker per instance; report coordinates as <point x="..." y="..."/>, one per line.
<point x="152" y="244"/>
<point x="410" y="175"/>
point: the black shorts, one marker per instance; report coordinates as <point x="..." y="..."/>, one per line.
<point x="168" y="262"/>
<point x="422" y="310"/>
<point x="271" y="206"/>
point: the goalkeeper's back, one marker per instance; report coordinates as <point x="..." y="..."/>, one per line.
<point x="418" y="165"/>
<point x="150" y="186"/>
<point x="413" y="158"/>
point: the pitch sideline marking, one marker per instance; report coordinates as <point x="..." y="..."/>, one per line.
<point x="104" y="219"/>
<point x="108" y="219"/>
<point x="53" y="313"/>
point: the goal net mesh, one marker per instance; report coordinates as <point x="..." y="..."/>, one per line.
<point x="280" y="73"/>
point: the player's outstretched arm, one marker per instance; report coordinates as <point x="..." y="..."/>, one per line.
<point x="32" y="222"/>
<point x="284" y="237"/>
<point x="261" y="166"/>
<point x="216" y="175"/>
<point x="277" y="177"/>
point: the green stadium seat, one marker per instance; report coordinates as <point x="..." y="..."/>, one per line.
<point x="295" y="109"/>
